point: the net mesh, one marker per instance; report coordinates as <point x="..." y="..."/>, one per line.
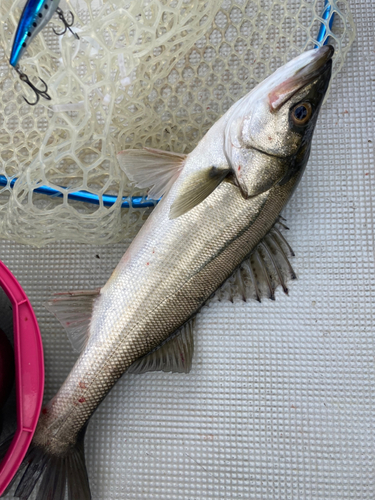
<point x="144" y="73"/>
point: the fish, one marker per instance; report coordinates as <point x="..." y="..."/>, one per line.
<point x="216" y="224"/>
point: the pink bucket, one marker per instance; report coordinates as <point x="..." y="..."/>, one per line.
<point x="29" y="369"/>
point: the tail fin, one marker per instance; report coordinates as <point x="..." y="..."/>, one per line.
<point x="59" y="474"/>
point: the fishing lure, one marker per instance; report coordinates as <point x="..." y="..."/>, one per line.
<point x="36" y="14"/>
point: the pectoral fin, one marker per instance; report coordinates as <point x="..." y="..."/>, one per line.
<point x="196" y="188"/>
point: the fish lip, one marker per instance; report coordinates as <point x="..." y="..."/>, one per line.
<point x="323" y="54"/>
<point x="303" y="76"/>
<point x="317" y="66"/>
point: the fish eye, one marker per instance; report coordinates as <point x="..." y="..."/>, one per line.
<point x="301" y="113"/>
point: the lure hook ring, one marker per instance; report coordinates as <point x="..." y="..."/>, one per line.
<point x="67" y="25"/>
<point x="24" y="78"/>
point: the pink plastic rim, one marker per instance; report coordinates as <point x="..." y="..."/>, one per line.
<point x="29" y="363"/>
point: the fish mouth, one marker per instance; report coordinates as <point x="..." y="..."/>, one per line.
<point x="320" y="60"/>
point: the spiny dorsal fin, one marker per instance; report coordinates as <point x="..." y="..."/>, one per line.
<point x="174" y="355"/>
<point x="196" y="188"/>
<point x="260" y="274"/>
<point x="151" y="168"/>
<point x="74" y="310"/>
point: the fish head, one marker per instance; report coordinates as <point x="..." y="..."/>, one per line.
<point x="268" y="134"/>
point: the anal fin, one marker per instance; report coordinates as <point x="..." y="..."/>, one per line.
<point x="173" y="355"/>
<point x="74" y="310"/>
<point x="262" y="272"/>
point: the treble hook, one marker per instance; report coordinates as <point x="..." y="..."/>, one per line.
<point x="38" y="93"/>
<point x="60" y="13"/>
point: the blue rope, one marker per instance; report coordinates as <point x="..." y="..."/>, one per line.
<point x="85" y="196"/>
<point x="323" y="29"/>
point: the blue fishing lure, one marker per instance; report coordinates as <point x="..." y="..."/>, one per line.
<point x="36" y="14"/>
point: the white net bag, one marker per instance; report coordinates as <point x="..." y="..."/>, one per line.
<point x="144" y="73"/>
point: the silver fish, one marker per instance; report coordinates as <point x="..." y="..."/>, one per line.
<point x="219" y="204"/>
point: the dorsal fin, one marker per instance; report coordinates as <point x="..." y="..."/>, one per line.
<point x="174" y="355"/>
<point x="74" y="310"/>
<point x="151" y="168"/>
<point x="262" y="272"/>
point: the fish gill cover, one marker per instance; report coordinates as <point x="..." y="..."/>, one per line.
<point x="154" y="73"/>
